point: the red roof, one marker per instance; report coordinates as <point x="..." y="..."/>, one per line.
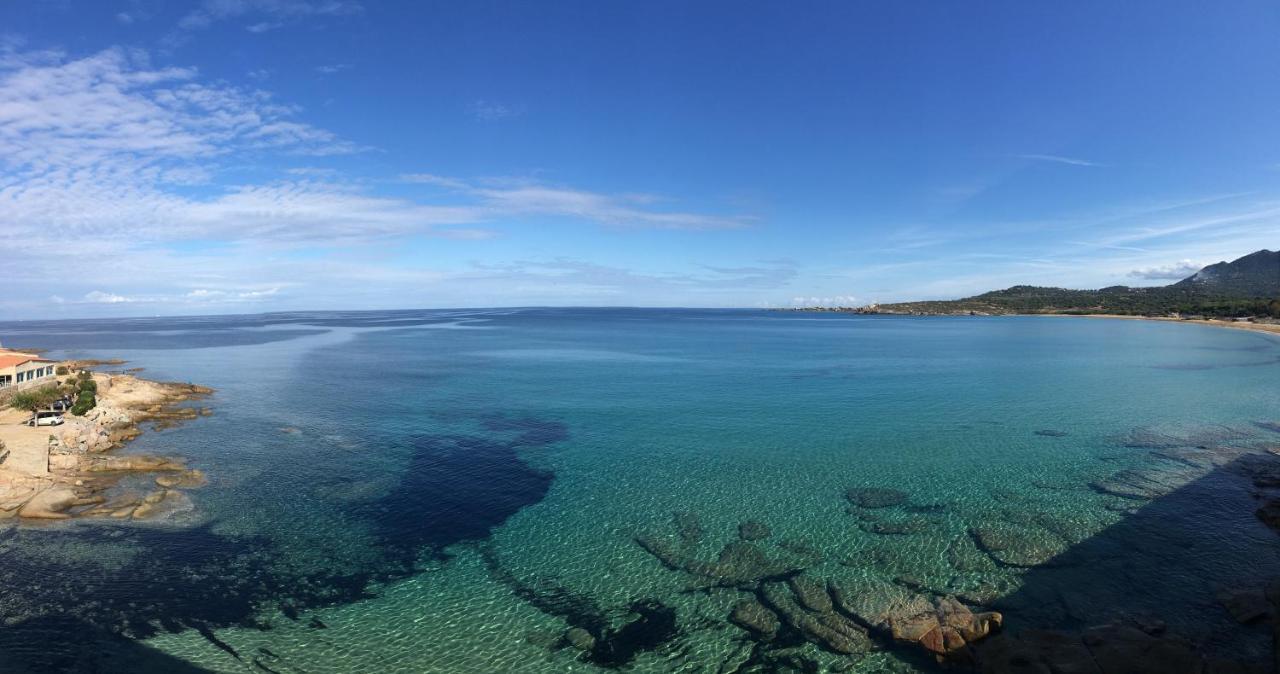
<point x="10" y="361"/>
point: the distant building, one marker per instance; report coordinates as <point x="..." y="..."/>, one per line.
<point x="17" y="369"/>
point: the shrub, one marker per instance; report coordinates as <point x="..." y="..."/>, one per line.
<point x="61" y="370"/>
<point x="84" y="403"/>
<point x="88" y="385"/>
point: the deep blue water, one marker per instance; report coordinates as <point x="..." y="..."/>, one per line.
<point x="452" y="490"/>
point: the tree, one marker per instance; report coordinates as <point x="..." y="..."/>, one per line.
<point x="35" y="399"/>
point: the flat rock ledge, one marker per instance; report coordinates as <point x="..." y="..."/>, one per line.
<point x="81" y="471"/>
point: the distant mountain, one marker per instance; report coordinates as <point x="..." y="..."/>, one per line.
<point x="1254" y="275"/>
<point x="1249" y="286"/>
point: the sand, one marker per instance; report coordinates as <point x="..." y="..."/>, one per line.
<point x="1272" y="328"/>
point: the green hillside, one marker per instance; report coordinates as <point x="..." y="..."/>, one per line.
<point x="1249" y="286"/>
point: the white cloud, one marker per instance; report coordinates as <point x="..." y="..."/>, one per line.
<point x="99" y="297"/>
<point x="1071" y="161"/>
<point x="332" y="69"/>
<point x="211" y="11"/>
<point x="127" y="161"/>
<point x="263" y="26"/>
<point x="1173" y="272"/>
<point x="490" y="111"/>
<point x="517" y="198"/>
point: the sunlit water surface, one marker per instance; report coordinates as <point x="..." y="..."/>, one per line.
<point x="451" y="491"/>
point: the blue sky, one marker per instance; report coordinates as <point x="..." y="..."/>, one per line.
<point x="262" y="155"/>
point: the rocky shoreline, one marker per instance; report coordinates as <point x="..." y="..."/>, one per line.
<point x="85" y="478"/>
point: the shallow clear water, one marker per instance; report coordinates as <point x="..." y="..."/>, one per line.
<point x="450" y="491"/>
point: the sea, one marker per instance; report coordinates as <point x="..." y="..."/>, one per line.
<point x="465" y="490"/>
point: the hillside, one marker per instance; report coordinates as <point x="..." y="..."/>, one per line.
<point x="1248" y="286"/>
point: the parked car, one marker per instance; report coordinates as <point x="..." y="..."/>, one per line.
<point x="45" y="419"/>
<point x="60" y="405"/>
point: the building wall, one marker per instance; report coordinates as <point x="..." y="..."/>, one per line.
<point x="34" y="373"/>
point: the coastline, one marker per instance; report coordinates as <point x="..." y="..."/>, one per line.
<point x="73" y="471"/>
<point x="1269" y="328"/>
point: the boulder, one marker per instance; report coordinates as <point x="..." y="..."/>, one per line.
<point x="580" y="639"/>
<point x="946" y="629"/>
<point x="163" y="503"/>
<point x="50" y="504"/>
<point x="1245" y="605"/>
<point x="186" y="478"/>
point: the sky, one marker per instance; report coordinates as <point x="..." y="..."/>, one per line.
<point x="241" y="156"/>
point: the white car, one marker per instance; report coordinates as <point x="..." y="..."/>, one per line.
<point x="45" y="419"/>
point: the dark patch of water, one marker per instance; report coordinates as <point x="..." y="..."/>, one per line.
<point x="456" y="488"/>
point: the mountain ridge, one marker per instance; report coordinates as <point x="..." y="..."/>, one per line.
<point x="1246" y="286"/>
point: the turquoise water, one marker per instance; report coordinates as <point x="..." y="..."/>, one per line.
<point x="452" y="491"/>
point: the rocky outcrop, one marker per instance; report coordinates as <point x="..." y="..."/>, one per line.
<point x="946" y="630"/>
<point x="52" y="503"/>
<point x="131" y="462"/>
<point x="943" y="627"/>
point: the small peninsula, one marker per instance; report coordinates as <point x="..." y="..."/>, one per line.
<point x="71" y="470"/>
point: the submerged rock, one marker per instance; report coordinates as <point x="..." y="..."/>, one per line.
<point x="580" y="639"/>
<point x="1245" y="605"/>
<point x="1269" y="513"/>
<point x="740" y="564"/>
<point x="825" y="628"/>
<point x="811" y="593"/>
<point x="752" y="530"/>
<point x="1050" y="433"/>
<point x="1273" y="426"/>
<point x="876" y="602"/>
<point x="754" y="617"/>
<point x="1147" y="482"/>
<point x="688" y="527"/>
<point x="1017" y="546"/>
<point x="875" y="497"/>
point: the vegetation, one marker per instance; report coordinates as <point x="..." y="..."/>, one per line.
<point x="86" y="393"/>
<point x="62" y="369"/>
<point x="1249" y="286"/>
<point x="34" y="399"/>
<point x="84" y="402"/>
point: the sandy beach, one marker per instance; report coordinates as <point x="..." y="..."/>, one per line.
<point x="1271" y="328"/>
